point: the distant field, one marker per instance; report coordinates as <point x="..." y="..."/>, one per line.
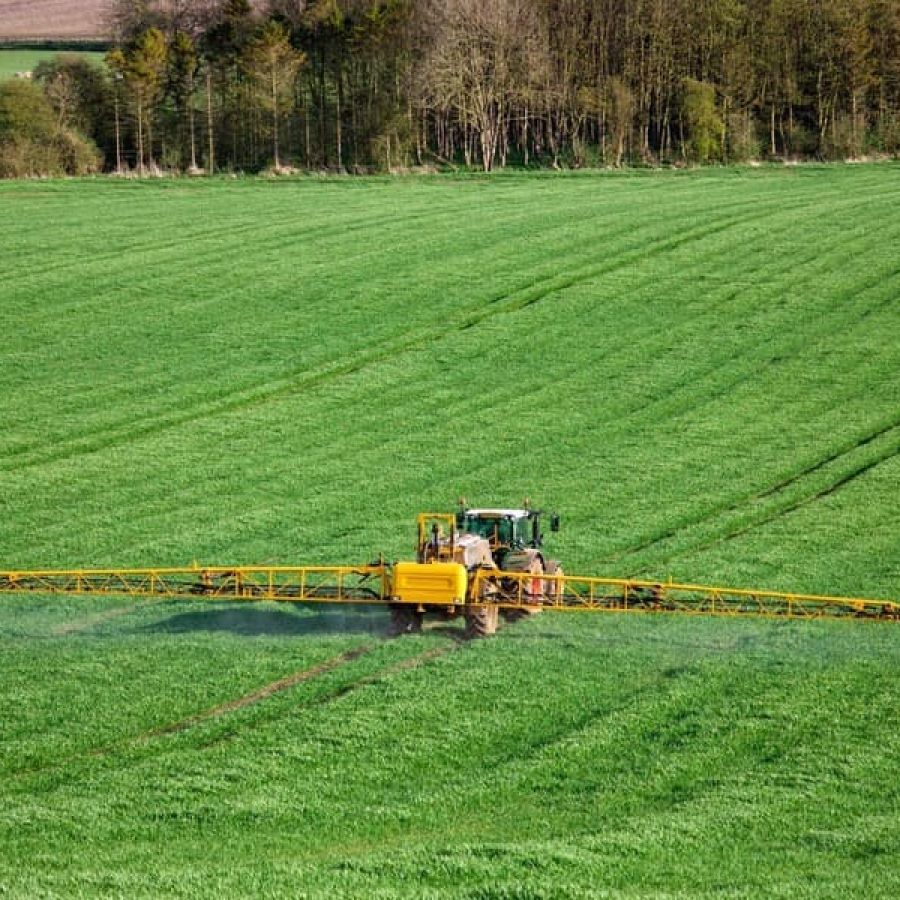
<point x="12" y="61"/>
<point x="699" y="370"/>
<point x="52" y="19"/>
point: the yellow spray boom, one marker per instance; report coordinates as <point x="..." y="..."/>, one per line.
<point x="488" y="562"/>
<point x="446" y="584"/>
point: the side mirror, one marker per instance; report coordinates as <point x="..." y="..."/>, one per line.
<point x="554" y="522"/>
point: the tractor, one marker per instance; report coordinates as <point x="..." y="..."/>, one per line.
<point x="501" y="540"/>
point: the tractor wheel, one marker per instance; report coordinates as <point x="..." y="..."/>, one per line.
<point x="534" y="589"/>
<point x="482" y="621"/>
<point x="406" y="620"/>
<point x="532" y="593"/>
<point x="552" y="589"/>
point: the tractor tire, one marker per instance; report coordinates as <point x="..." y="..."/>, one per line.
<point x="552" y="589"/>
<point x="405" y="620"/>
<point x="533" y="593"/>
<point x="531" y="596"/>
<point x="482" y="621"/>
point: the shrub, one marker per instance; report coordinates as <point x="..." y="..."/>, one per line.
<point x="21" y="157"/>
<point x="78" y="155"/>
<point x="24" y="112"/>
<point x="32" y="143"/>
<point x="703" y="121"/>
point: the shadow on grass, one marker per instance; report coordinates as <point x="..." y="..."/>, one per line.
<point x="258" y="620"/>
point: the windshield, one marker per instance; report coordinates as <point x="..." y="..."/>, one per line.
<point x="495" y="529"/>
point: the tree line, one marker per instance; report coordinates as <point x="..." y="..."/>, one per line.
<point x="366" y="85"/>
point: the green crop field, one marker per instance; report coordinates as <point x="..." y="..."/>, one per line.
<point x="699" y="370"/>
<point x="12" y="61"/>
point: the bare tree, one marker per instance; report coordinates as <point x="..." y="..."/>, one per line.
<point x="478" y="63"/>
<point x="126" y="19"/>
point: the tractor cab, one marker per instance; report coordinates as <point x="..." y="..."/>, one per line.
<point x="505" y="529"/>
<point x="478" y="538"/>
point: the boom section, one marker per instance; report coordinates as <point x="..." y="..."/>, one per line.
<point x="299" y="584"/>
<point x="374" y="584"/>
<point x="574" y="592"/>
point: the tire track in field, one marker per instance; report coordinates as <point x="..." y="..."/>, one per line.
<point x="188" y="243"/>
<point x="832" y="488"/>
<point x="670" y="404"/>
<point x="542" y="288"/>
<point x="661" y="684"/>
<point x="764" y="518"/>
<point x="301" y="380"/>
<point x="470" y="406"/>
<point x="260" y="694"/>
<point x="394" y="668"/>
<point x="13" y="454"/>
<point x="223" y="710"/>
<point x="735" y="506"/>
<point x="284" y="231"/>
<point x="773" y="491"/>
<point x="833" y="457"/>
<point x="288" y="384"/>
<point x="681" y="396"/>
<point x="11" y="465"/>
<point x="254" y="697"/>
<point x="687" y="401"/>
<point x="670" y="704"/>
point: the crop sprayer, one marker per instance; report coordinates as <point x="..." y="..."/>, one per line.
<point x="480" y="564"/>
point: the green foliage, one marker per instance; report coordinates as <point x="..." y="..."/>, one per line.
<point x="621" y="100"/>
<point x="697" y="369"/>
<point x="185" y="61"/>
<point x="81" y="95"/>
<point x="32" y="141"/>
<point x="142" y="66"/>
<point x="24" y="112"/>
<point x="579" y="83"/>
<point x="887" y="136"/>
<point x="21" y="157"/>
<point x="146" y="60"/>
<point x="703" y="120"/>
<point x="272" y="64"/>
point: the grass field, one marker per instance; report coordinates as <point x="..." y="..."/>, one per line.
<point x="699" y="370"/>
<point x="13" y="61"/>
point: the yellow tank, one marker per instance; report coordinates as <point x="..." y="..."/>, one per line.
<point x="438" y="583"/>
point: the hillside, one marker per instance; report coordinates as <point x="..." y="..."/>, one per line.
<point x="22" y="20"/>
<point x="698" y="369"/>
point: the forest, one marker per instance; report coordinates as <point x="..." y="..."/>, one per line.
<point x="375" y="85"/>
